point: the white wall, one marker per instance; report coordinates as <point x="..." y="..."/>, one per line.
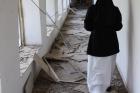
<point x="9" y="60"/>
<point x="135" y="65"/>
<point x="123" y="38"/>
<point x="128" y="59"/>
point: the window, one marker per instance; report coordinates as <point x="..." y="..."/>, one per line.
<point x="64" y="5"/>
<point x="29" y="32"/>
<point x="32" y="22"/>
<point x="50" y="9"/>
<point x="68" y="3"/>
<point x="60" y="7"/>
<point x="51" y="16"/>
<point x="29" y="23"/>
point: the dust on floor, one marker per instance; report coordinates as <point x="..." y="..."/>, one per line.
<point x="73" y="51"/>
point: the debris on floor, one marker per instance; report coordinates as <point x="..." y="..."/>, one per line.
<point x="66" y="72"/>
<point x="70" y="64"/>
<point x="51" y="75"/>
<point x="81" y="88"/>
<point x="26" y="57"/>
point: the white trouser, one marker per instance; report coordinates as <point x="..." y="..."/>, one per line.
<point x="99" y="73"/>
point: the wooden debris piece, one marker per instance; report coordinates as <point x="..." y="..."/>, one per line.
<point x="47" y="68"/>
<point x="66" y="72"/>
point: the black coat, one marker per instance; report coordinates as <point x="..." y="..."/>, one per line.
<point x="103" y="40"/>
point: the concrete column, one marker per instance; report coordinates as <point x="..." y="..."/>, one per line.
<point x="9" y="50"/>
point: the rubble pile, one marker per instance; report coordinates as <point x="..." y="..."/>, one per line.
<point x="69" y="59"/>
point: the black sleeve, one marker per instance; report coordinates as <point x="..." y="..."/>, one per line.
<point x="88" y="22"/>
<point x="118" y="23"/>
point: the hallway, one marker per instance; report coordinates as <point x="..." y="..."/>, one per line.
<point x="28" y="26"/>
<point x="74" y="53"/>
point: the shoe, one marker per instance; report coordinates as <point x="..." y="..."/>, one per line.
<point x="109" y="89"/>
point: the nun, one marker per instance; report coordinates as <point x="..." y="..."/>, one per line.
<point x="103" y="20"/>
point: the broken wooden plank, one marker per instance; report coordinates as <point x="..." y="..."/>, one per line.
<point x="55" y="59"/>
<point x="46" y="67"/>
<point x="66" y="72"/>
<point x="29" y="84"/>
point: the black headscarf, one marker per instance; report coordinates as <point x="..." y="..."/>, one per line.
<point x="105" y="12"/>
<point x="104" y="3"/>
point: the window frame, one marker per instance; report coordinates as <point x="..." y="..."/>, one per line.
<point x="21" y="24"/>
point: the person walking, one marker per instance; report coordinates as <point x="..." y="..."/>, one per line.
<point x="103" y="19"/>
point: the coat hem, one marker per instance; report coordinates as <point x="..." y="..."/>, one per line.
<point x="102" y="55"/>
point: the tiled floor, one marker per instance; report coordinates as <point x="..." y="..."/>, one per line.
<point x="76" y="40"/>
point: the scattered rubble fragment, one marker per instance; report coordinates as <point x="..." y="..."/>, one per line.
<point x="66" y="72"/>
<point x="81" y="88"/>
<point x="26" y="55"/>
